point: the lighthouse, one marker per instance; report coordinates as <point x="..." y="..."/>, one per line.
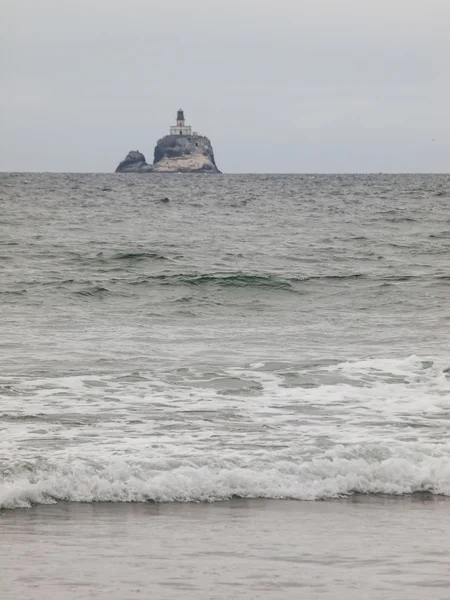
<point x="180" y="128"/>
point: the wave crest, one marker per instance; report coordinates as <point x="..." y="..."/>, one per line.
<point x="126" y="481"/>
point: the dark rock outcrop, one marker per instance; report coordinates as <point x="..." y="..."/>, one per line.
<point x="134" y="163"/>
<point x="174" y="154"/>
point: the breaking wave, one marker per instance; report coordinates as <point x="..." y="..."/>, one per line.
<point x="161" y="481"/>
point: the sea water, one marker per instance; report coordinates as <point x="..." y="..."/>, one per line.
<point x="252" y="337"/>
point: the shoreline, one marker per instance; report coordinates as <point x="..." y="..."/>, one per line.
<point x="356" y="498"/>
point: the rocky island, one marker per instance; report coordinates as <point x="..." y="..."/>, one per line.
<point x="182" y="151"/>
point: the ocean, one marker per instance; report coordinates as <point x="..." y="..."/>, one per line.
<point x="228" y="386"/>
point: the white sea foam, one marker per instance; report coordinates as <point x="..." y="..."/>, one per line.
<point x="283" y="431"/>
<point x="125" y="481"/>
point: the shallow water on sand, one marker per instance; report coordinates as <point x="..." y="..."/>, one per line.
<point x="243" y="549"/>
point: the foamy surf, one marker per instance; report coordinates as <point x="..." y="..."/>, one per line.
<point x="127" y="481"/>
<point x="305" y="432"/>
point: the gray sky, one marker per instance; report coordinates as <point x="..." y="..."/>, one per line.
<point x="277" y="85"/>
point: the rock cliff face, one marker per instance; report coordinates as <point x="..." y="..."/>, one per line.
<point x="174" y="154"/>
<point x="179" y="153"/>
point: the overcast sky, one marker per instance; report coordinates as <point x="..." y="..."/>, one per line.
<point x="277" y="85"/>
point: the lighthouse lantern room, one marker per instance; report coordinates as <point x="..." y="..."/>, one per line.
<point x="180" y="128"/>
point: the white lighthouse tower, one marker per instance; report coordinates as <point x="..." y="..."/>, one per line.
<point x="180" y="128"/>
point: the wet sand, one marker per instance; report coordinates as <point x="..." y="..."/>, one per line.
<point x="351" y="549"/>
